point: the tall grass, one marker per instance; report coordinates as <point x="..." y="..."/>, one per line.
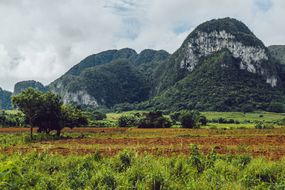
<point x="128" y="170"/>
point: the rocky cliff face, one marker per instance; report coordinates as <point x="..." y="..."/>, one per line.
<point x="205" y="44"/>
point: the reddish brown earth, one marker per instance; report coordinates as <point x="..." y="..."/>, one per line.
<point x="166" y="142"/>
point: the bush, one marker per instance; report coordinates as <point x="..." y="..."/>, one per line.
<point x="154" y="120"/>
<point x="98" y="115"/>
<point x="127" y="121"/>
<point x="261" y="125"/>
<point x="203" y="120"/>
<point x="190" y="119"/>
<point x="175" y="116"/>
<point x="224" y="120"/>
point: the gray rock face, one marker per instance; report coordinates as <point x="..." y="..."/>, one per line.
<point x="205" y="44"/>
<point x="80" y="97"/>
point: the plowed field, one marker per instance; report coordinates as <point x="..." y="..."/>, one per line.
<point x="109" y="141"/>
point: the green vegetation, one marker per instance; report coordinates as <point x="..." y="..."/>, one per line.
<point x="10" y="119"/>
<point x="190" y="119"/>
<point x="211" y="87"/>
<point x="128" y="121"/>
<point x="128" y="170"/>
<point x="47" y="112"/>
<point x="154" y="119"/>
<point x="113" y="77"/>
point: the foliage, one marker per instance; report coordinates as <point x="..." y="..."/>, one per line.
<point x="46" y="111"/>
<point x="203" y="120"/>
<point x="262" y="125"/>
<point x="224" y="120"/>
<point x="276" y="107"/>
<point x="128" y="170"/>
<point x="95" y="115"/>
<point x="229" y="88"/>
<point x="154" y="119"/>
<point x="113" y="77"/>
<point x="72" y="117"/>
<point x="190" y="119"/>
<point x="128" y="121"/>
<point x="12" y="120"/>
<point x="174" y="116"/>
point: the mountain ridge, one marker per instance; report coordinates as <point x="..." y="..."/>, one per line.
<point x="221" y="65"/>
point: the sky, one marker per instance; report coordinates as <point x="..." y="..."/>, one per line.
<point x="41" y="39"/>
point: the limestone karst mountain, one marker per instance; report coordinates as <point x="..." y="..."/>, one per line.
<point x="220" y="66"/>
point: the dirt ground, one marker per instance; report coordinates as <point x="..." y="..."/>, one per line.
<point x="109" y="141"/>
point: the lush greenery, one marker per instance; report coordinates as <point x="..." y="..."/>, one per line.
<point x="215" y="88"/>
<point x="8" y="119"/>
<point x="113" y="77"/>
<point x="128" y="170"/>
<point x="154" y="119"/>
<point x="47" y="112"/>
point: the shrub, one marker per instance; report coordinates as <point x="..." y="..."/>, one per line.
<point x="190" y="119"/>
<point x="261" y="125"/>
<point x="175" y="116"/>
<point x="203" y="120"/>
<point x="127" y="121"/>
<point x="154" y="120"/>
<point x="224" y="120"/>
<point x="96" y="115"/>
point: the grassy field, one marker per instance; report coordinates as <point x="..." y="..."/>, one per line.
<point x="217" y="156"/>
<point x="243" y="117"/>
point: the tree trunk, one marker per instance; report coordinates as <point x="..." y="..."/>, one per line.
<point x="58" y="133"/>
<point x="31" y="133"/>
<point x="31" y="128"/>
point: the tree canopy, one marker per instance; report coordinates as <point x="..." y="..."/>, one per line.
<point x="47" y="112"/>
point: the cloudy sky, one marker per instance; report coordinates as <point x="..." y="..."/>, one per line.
<point x="42" y="39"/>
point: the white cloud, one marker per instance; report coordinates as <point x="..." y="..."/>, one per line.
<point x="42" y="39"/>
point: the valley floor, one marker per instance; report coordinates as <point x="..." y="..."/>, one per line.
<point x="269" y="143"/>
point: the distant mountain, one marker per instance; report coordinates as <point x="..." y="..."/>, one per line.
<point x="110" y="78"/>
<point x="221" y="66"/>
<point x="5" y="99"/>
<point x="23" y="85"/>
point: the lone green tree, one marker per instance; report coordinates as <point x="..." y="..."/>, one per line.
<point x="29" y="102"/>
<point x="190" y="119"/>
<point x="47" y="112"/>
